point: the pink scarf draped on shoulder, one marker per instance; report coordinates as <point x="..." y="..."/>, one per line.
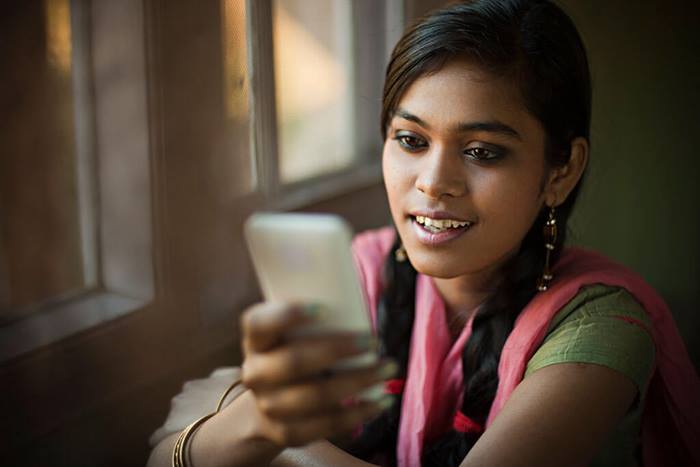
<point x="433" y="389"/>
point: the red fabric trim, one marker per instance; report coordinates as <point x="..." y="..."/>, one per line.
<point x="464" y="424"/>
<point x="630" y="320"/>
<point x="394" y="386"/>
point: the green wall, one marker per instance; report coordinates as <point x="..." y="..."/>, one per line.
<point x="640" y="198"/>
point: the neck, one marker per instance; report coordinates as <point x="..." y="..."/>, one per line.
<point x="465" y="293"/>
<point x="462" y="296"/>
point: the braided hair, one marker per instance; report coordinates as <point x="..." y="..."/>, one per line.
<point x="537" y="46"/>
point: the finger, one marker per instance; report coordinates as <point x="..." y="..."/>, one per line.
<point x="341" y="422"/>
<point x="264" y="324"/>
<point x="319" y="396"/>
<point x="301" y="359"/>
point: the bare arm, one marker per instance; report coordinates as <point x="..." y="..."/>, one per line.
<point x="230" y="438"/>
<point x="559" y="415"/>
<point x="225" y="441"/>
<point x="291" y="399"/>
<point x="318" y="454"/>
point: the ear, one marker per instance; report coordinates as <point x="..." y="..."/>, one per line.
<point x="562" y="180"/>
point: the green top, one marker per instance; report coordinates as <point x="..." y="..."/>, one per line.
<point x="589" y="330"/>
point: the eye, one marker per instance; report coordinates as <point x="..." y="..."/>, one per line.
<point x="480" y="153"/>
<point x="410" y="142"/>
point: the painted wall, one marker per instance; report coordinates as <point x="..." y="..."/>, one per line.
<point x="640" y="200"/>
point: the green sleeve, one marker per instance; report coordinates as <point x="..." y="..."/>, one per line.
<point x="602" y="325"/>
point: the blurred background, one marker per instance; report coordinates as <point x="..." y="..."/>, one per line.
<point x="137" y="135"/>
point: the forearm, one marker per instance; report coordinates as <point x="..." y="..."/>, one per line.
<point x="318" y="454"/>
<point x="243" y="453"/>
<point x="162" y="454"/>
<point x="229" y="439"/>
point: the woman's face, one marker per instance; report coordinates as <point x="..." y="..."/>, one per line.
<point x="463" y="155"/>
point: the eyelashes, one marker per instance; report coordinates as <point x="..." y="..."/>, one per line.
<point x="410" y="142"/>
<point x="483" y="154"/>
<point x="413" y="143"/>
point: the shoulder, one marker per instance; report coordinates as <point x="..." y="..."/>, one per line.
<point x="591" y="289"/>
<point x="603" y="325"/>
<point x="600" y="300"/>
<point x="578" y="267"/>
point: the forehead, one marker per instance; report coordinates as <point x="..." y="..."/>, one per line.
<point x="461" y="92"/>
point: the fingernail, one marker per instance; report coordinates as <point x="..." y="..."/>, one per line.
<point x="387" y="370"/>
<point x="385" y="402"/>
<point x="365" y="342"/>
<point x="373" y="393"/>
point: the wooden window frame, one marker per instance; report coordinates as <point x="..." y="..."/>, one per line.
<point x="114" y="181"/>
<point x="114" y="171"/>
<point x="366" y="169"/>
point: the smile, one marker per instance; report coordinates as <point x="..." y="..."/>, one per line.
<point x="434" y="232"/>
<point x="440" y="225"/>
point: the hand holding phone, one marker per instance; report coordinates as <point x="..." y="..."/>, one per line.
<point x="303" y="259"/>
<point x="293" y="400"/>
<point x="307" y="258"/>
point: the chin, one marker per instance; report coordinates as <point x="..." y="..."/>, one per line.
<point x="435" y="268"/>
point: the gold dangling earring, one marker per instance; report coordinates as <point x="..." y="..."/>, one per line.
<point x="400" y="254"/>
<point x="550" y="238"/>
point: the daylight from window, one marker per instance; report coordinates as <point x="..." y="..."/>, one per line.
<point x="314" y="86"/>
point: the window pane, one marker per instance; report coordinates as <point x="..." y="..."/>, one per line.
<point x="236" y="94"/>
<point x="40" y="220"/>
<point x="314" y="85"/>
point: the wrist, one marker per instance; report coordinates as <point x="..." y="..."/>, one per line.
<point x="233" y="437"/>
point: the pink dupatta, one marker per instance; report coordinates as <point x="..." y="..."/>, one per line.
<point x="433" y="389"/>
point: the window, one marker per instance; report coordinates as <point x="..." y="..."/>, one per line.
<point x="42" y="187"/>
<point x="279" y="101"/>
<point x="323" y="62"/>
<point x="237" y="96"/>
<point x="314" y="87"/>
<point x="75" y="224"/>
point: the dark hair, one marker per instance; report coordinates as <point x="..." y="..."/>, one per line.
<point x="536" y="45"/>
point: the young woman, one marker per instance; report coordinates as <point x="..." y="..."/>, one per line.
<point x="503" y="347"/>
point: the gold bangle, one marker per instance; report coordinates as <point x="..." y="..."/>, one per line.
<point x="180" y="450"/>
<point x="225" y="394"/>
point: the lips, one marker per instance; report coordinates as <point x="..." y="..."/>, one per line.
<point x="429" y="237"/>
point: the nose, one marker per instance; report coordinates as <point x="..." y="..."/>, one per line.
<point x="441" y="174"/>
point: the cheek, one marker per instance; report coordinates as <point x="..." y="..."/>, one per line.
<point x="508" y="201"/>
<point x="396" y="177"/>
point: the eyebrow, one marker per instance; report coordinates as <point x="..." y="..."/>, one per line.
<point x="492" y="126"/>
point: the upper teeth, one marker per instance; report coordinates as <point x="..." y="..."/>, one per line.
<point x="441" y="223"/>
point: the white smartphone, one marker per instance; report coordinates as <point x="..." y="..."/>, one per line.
<point x="308" y="258"/>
